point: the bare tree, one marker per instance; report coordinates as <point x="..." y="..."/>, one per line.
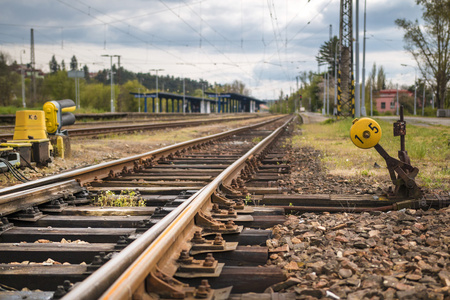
<point x="429" y="44"/>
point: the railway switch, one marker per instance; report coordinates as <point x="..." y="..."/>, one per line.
<point x="366" y="133"/>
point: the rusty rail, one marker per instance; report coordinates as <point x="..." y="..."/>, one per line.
<point x="135" y="127"/>
<point x="102" y="170"/>
<point x="159" y="243"/>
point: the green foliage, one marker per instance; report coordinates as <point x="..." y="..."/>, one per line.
<point x="429" y="43"/>
<point x="58" y="86"/>
<point x="126" y="198"/>
<point x="126" y="101"/>
<point x="256" y="140"/>
<point x="248" y="199"/>
<point x="96" y="96"/>
<point x="7" y="81"/>
<point x="430" y="112"/>
<point x="327" y="53"/>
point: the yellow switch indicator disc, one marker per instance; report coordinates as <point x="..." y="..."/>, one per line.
<point x="365" y="133"/>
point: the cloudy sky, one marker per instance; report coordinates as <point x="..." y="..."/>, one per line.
<point x="263" y="43"/>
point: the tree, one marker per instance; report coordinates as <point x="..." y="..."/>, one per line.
<point x="429" y="44"/>
<point x="327" y="53"/>
<point x="73" y="63"/>
<point x="372" y="80"/>
<point x="63" y="65"/>
<point x="381" y="79"/>
<point x="87" y="77"/>
<point x="53" y="65"/>
<point x="8" y="80"/>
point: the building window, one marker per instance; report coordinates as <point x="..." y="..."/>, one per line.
<point x="392" y="104"/>
<point x="383" y="105"/>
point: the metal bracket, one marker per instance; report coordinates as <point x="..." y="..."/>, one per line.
<point x="30" y="214"/>
<point x="202" y="245"/>
<point x="188" y="267"/>
<point x="5" y="225"/>
<point x="223" y="202"/>
<point x="210" y="225"/>
<point x="228" y="190"/>
<point x="222" y="213"/>
<point x="167" y="287"/>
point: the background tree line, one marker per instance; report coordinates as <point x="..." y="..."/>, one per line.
<point x="95" y="89"/>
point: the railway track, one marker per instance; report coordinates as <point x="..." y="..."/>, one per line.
<point x="41" y="219"/>
<point x="202" y="232"/>
<point x="125" y="126"/>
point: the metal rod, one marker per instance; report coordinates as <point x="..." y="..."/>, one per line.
<point x="402" y="137"/>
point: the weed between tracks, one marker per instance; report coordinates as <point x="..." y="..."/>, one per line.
<point x="428" y="148"/>
<point x="126" y="198"/>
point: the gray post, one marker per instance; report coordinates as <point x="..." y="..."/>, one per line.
<point x="357" y="91"/>
<point x="335" y="80"/>
<point x="363" y="88"/>
<point x="184" y="97"/>
<point x="423" y="100"/>
<point x="328" y="93"/>
<point x="397" y="101"/>
<point x="415" y="97"/>
<point x="324" y="94"/>
<point x="371" y="103"/>
<point x="432" y="99"/>
<point x="112" y="89"/>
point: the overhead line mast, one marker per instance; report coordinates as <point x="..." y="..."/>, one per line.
<point x="346" y="91"/>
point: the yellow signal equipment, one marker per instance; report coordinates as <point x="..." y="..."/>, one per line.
<point x="30" y="123"/>
<point x="365" y="133"/>
<point x="52" y="118"/>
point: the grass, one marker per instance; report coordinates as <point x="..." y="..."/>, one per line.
<point x="126" y="198"/>
<point x="428" y="149"/>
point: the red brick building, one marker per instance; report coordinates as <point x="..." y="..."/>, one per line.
<point x="387" y="100"/>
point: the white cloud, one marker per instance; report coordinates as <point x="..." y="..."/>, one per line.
<point x="264" y="43"/>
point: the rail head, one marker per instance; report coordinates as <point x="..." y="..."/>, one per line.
<point x="103" y="170"/>
<point x="181" y="220"/>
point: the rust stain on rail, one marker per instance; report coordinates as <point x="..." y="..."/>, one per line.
<point x="143" y="256"/>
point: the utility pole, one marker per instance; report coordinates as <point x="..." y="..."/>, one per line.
<point x="157" y="70"/>
<point x="397" y="101"/>
<point x="363" y="88"/>
<point x="423" y="99"/>
<point x="335" y="79"/>
<point x="33" y="66"/>
<point x="357" y="91"/>
<point x="415" y="85"/>
<point x="184" y="96"/>
<point x="118" y="69"/>
<point x="24" y="104"/>
<point x="112" y="80"/>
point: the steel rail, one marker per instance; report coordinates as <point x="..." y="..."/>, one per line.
<point x="134" y="127"/>
<point x="132" y="278"/>
<point x="97" y="283"/>
<point x="151" y="126"/>
<point x="102" y="170"/>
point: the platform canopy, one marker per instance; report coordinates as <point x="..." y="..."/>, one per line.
<point x="192" y="104"/>
<point x="245" y="103"/>
<point x="212" y="102"/>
